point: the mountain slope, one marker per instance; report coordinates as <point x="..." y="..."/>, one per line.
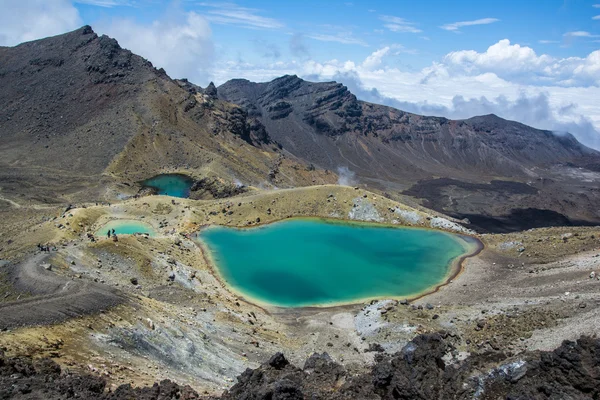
<point x="393" y="150"/>
<point x="78" y="113"/>
<point x="376" y="140"/>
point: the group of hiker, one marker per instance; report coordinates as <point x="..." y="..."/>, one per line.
<point x="45" y="247"/>
<point x="111" y="232"/>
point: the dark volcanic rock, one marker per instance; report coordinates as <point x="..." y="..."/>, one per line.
<point x="278" y="361"/>
<point x="420" y="372"/>
<point x="572" y="371"/>
<point x="214" y="188"/>
<point x="417" y="372"/>
<point x="24" y="378"/>
<point x="500" y="217"/>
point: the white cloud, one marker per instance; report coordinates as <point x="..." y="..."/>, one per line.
<point x="597" y="17"/>
<point x="232" y="14"/>
<point x="397" y="24"/>
<point x="105" y="3"/>
<point x="501" y="55"/>
<point x="596" y="5"/>
<point x="548" y="41"/>
<point x="342" y="37"/>
<point x="402" y="28"/>
<point x="26" y="20"/>
<point x="179" y="42"/>
<point x="455" y="26"/>
<point x="522" y="64"/>
<point x="583" y="34"/>
<point x="375" y="59"/>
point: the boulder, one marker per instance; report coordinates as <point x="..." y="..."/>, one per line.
<point x="278" y="361"/>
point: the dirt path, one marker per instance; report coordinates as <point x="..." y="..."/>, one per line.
<point x="54" y="297"/>
<point x="9" y="201"/>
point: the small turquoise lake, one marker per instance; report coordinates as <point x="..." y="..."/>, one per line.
<point x="175" y="185"/>
<point x="306" y="262"/>
<point x="126" y="227"/>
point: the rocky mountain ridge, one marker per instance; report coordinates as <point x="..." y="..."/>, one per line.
<point x="439" y="159"/>
<point x="80" y="116"/>
<point x="390" y="139"/>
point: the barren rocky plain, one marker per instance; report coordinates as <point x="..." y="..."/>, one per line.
<point x="98" y="318"/>
<point x="144" y="309"/>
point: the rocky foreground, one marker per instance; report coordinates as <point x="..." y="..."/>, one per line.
<point x="426" y="368"/>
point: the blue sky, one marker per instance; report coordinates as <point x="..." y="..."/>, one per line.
<point x="537" y="62"/>
<point x="353" y="29"/>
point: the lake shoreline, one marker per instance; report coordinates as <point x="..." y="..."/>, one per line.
<point x="471" y="244"/>
<point x="176" y="185"/>
<point x="340" y="221"/>
<point x="113" y="223"/>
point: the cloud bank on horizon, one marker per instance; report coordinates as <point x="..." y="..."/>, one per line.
<point x="382" y="56"/>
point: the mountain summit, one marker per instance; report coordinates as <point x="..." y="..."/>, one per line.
<point x="78" y="114"/>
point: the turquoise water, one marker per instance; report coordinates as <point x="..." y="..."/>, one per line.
<point x="312" y="262"/>
<point x="126" y="227"/>
<point x="175" y="185"/>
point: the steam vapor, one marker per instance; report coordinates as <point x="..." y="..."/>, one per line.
<point x="346" y="177"/>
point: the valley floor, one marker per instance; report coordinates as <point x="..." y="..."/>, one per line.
<point x="142" y="309"/>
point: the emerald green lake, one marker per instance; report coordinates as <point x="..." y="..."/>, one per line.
<point x="175" y="185"/>
<point x="126" y="227"/>
<point x="298" y="263"/>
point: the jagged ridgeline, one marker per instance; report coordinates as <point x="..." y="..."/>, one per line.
<point x="382" y="142"/>
<point x="78" y="113"/>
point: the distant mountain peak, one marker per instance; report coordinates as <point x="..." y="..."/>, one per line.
<point x="211" y="90"/>
<point x="324" y="123"/>
<point x="287" y="78"/>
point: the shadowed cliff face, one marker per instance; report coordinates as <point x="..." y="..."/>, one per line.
<point x="422" y="370"/>
<point x="393" y="150"/>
